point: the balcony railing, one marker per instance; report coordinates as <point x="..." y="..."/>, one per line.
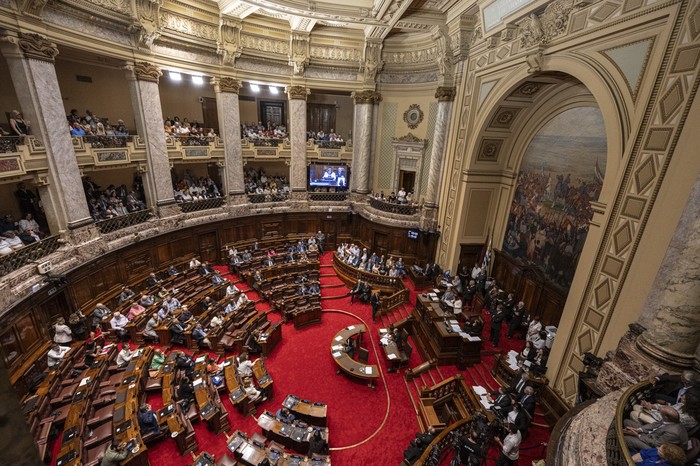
<point x="106" y="142"/>
<point x="330" y="144"/>
<point x="123" y="221"/>
<point x="190" y="141"/>
<point x="329" y="197"/>
<point x="9" y="144"/>
<point x="266" y="142"/>
<point x="616" y="449"/>
<point x="27" y="254"/>
<point x="204" y="204"/>
<point x="269" y="197"/>
<point x="392" y="207"/>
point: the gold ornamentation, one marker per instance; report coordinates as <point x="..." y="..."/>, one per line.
<point x="413" y="116"/>
<point x="445" y="94"/>
<point x="37" y="47"/>
<point x="227" y="84"/>
<point x="145" y="71"/>
<point x="366" y="97"/>
<point x="297" y="92"/>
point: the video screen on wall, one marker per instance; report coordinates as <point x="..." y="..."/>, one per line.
<point x="329" y="175"/>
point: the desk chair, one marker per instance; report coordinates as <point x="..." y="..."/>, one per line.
<point x="226" y="461"/>
<point x="363" y="355"/>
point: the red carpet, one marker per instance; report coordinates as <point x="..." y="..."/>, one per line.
<point x="366" y="426"/>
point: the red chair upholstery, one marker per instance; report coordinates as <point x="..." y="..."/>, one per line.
<point x="99" y="435"/>
<point x="101" y="416"/>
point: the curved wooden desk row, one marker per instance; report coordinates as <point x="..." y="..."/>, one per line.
<point x="354" y="369"/>
<point x="238" y="396"/>
<point x="252" y="453"/>
<point x="350" y="275"/>
<point x="292" y="436"/>
<point x="307" y="411"/>
<point x="257" y="262"/>
<point x="265" y="243"/>
<point x="280" y="270"/>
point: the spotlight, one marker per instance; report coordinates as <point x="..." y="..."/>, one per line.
<point x="274" y="90"/>
<point x="255" y="88"/>
<point x="175" y="76"/>
<point x="198" y="80"/>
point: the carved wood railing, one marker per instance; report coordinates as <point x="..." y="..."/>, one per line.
<point x="389" y="303"/>
<point x="195" y="206"/>
<point x="438" y="449"/>
<point x="27" y="254"/>
<point x="393" y="208"/>
<point x="350" y="275"/>
<point x="123" y="221"/>
<point x="616" y="449"/>
<point x="9" y="144"/>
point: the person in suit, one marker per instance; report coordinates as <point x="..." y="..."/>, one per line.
<point x="668" y="389"/>
<point x="502" y="402"/>
<point x="516" y="319"/>
<point x="420" y="443"/>
<point x="527" y="400"/>
<point x="148" y="421"/>
<point x="374" y="300"/>
<point x="496" y="325"/>
<point x="520" y="418"/>
<point x="519" y="383"/>
<point x="355" y="291"/>
<point x="317" y="445"/>
<point x="668" y="430"/>
<point x="469" y="293"/>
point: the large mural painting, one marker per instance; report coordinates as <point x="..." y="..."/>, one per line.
<point x="561" y="173"/>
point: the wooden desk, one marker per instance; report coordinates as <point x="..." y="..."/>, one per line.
<point x="270" y="338"/>
<point x="239" y="398"/>
<point x="290" y="435"/>
<point x="263" y="378"/>
<point x="203" y="459"/>
<point x="355" y="369"/>
<point x="313" y="413"/>
<point x="437" y="340"/>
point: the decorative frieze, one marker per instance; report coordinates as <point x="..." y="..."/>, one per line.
<point x="188" y="26"/>
<point x="264" y="44"/>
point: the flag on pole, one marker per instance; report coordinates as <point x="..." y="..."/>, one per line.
<point x="486" y="255"/>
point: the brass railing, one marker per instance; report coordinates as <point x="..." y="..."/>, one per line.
<point x="329" y="197"/>
<point x="616" y="449"/>
<point x="27" y="254"/>
<point x="393" y="207"/>
<point x="123" y="221"/>
<point x="269" y="197"/>
<point x="204" y="204"/>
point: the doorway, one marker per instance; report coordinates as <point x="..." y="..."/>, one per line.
<point x="272" y="113"/>
<point x="407" y="180"/>
<point x="210" y="114"/>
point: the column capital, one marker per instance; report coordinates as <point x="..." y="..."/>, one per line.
<point x="366" y="97"/>
<point x="226" y="84"/>
<point x="297" y="92"/>
<point x="445" y="94"/>
<point x="144" y="71"/>
<point x="37" y="47"/>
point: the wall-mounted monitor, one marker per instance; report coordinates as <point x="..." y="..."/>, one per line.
<point x="329" y="175"/>
<point x="413" y="234"/>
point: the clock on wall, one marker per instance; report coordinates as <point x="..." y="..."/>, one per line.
<point x="413" y="116"/>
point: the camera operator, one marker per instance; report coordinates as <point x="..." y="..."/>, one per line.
<point x="420" y="443"/>
<point x="469" y="448"/>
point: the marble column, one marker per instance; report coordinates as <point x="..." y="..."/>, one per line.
<point x="145" y="99"/>
<point x="297" y="135"/>
<point x="30" y="58"/>
<point x="227" y="107"/>
<point x="673" y="335"/>
<point x="445" y="96"/>
<point x="363" y="127"/>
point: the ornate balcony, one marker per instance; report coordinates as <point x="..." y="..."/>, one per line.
<point x="269" y="197"/>
<point x="205" y="204"/>
<point x="123" y="221"/>
<point x="9" y="144"/>
<point x="616" y="450"/>
<point x="27" y="254"/>
<point x="393" y="207"/>
<point x="329" y="197"/>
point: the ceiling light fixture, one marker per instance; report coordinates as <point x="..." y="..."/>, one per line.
<point x="199" y="80"/>
<point x="273" y="90"/>
<point x="255" y="88"/>
<point x="175" y="76"/>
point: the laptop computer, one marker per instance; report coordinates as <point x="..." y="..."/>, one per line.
<point x="67" y="458"/>
<point x="123" y="426"/>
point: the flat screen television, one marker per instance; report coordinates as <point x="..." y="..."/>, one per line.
<point x="329" y="175"/>
<point x="413" y="234"/>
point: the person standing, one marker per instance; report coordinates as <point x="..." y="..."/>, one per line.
<point x="496" y="324"/>
<point x="62" y="333"/>
<point x="510" y="446"/>
<point x="374" y="300"/>
<point x="516" y="319"/>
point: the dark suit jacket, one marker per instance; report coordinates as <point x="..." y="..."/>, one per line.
<point x="528" y="403"/>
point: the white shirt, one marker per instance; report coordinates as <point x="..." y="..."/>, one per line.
<point x="55" y="356"/>
<point x="245" y="369"/>
<point x="194" y="263"/>
<point x="4" y="247"/>
<point x="231" y="289"/>
<point x="511" y="445"/>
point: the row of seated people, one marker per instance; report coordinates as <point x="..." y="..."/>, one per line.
<point x="662" y="429"/>
<point x="90" y="124"/>
<point x="258" y="182"/>
<point x="185" y="129"/>
<point x="362" y="259"/>
<point x="401" y="197"/>
<point x="191" y="189"/>
<point x="257" y="130"/>
<point x="321" y="136"/>
<point x="278" y="243"/>
<point x="253" y="257"/>
<point x="111" y="202"/>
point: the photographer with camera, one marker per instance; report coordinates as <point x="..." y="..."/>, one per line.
<point x="468" y="448"/>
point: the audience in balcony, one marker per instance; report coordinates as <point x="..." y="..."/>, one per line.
<point x="92" y="125"/>
<point x="193" y="133"/>
<point x="667" y="430"/>
<point x="402" y="197"/>
<point x="190" y="189"/>
<point x="271" y="186"/>
<point x="259" y="132"/>
<point x="665" y="455"/>
<point x="110" y="203"/>
<point x="319" y="137"/>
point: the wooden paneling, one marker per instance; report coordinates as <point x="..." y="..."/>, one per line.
<point x="542" y="297"/>
<point x="208" y="246"/>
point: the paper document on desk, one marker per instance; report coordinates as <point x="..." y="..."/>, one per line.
<point x="84" y="381"/>
<point x="337" y="354"/>
<point x="382" y="331"/>
<point x="471" y="338"/>
<point x="367" y="370"/>
<point x="486" y="403"/>
<point x="338" y="338"/>
<point x="392" y="356"/>
<point x="435" y="291"/>
<point x="479" y="390"/>
<point x="352" y="327"/>
<point x="455" y="328"/>
<point x="337" y="347"/>
<point x="384" y="341"/>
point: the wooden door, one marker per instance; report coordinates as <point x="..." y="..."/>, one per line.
<point x="329" y="229"/>
<point x="381" y="243"/>
<point x="210" y="114"/>
<point x="407" y="181"/>
<point x="208" y="247"/>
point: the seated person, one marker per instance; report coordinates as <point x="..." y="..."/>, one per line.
<point x="207" y="303"/>
<point x="126" y="295"/>
<point x="252" y="343"/>
<point x="185" y="392"/>
<point x="148" y="421"/>
<point x="176" y="333"/>
<point x="153" y="280"/>
<point x="185" y="316"/>
<point x="217" y="279"/>
<point x="502" y="402"/>
<point x="417" y="445"/>
<point x="665" y="454"/>
<point x="216" y="321"/>
<point x="668" y="389"/>
<point x="125" y="355"/>
<point x="355" y="292"/>
<point x="284" y="414"/>
<point x="474" y="326"/>
<point x="205" y="269"/>
<point x="668" y="430"/>
<point x="172" y="271"/>
<point x="317" y="444"/>
<point x="115" y="454"/>
<point x="118" y="324"/>
<point x="56" y="354"/>
<point x="147" y="300"/>
<point x="13" y="241"/>
<point x="647" y="413"/>
<point x="156" y="362"/>
<point x="253" y="393"/>
<point x="135" y="310"/>
<point x="150" y="330"/>
<point x="194" y="263"/>
<point x="184" y="362"/>
<point x="231" y="290"/>
<point x="213" y="367"/>
<point x="245" y="366"/>
<point x="200" y="336"/>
